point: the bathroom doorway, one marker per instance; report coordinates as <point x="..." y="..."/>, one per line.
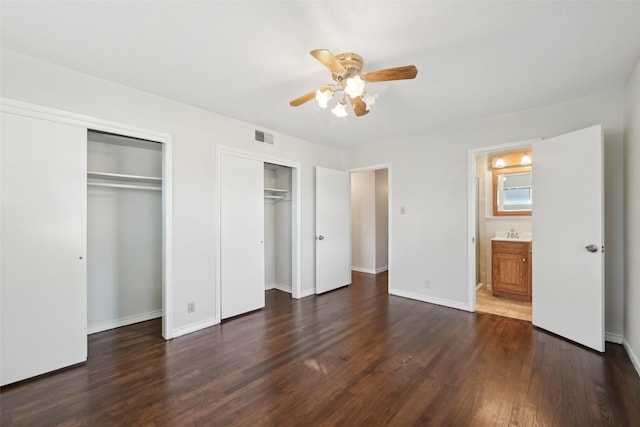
<point x="502" y="196"/>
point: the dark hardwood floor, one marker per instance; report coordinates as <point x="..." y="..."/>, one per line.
<point x="353" y="357"/>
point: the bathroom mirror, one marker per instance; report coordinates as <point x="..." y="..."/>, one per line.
<point x="512" y="191"/>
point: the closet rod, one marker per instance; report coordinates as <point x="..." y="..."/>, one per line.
<point x="134" y="187"/>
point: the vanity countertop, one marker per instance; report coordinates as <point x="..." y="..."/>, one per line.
<point x="510" y="239"/>
<point x="501" y="236"/>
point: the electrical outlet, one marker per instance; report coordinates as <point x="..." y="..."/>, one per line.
<point x="426" y="284"/>
<point x="191" y="307"/>
<point x="403" y="210"/>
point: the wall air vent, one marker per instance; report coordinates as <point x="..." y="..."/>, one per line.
<point x="264" y="137"/>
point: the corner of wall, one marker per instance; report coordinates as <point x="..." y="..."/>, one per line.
<point x="631" y="213"/>
<point x="193" y="327"/>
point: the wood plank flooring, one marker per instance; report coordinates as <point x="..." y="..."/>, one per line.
<point x="486" y="302"/>
<point x="352" y="357"/>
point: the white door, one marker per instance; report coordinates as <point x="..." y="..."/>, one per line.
<point x="241" y="235"/>
<point x="333" y="229"/>
<point x="43" y="183"/>
<point x="568" y="236"/>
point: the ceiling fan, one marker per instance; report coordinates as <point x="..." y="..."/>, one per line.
<point x="346" y="70"/>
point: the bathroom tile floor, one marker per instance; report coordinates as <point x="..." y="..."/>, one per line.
<point x="487" y="303"/>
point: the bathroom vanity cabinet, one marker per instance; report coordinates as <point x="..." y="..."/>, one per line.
<point x="511" y="269"/>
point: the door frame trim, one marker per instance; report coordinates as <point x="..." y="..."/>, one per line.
<point x="389" y="168"/>
<point x="472" y="213"/>
<point x="296" y="184"/>
<point x="26" y="109"/>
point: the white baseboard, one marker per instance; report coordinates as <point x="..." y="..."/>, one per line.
<point x="124" y="321"/>
<point x="306" y="293"/>
<point x="363" y="269"/>
<point x="614" y="338"/>
<point x="283" y="288"/>
<point x="479" y="286"/>
<point x="369" y="270"/>
<point x="431" y="300"/>
<point x="269" y="286"/>
<point x="194" y="327"/>
<point x="634" y="357"/>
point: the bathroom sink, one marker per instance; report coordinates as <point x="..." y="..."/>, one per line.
<point x="506" y="236"/>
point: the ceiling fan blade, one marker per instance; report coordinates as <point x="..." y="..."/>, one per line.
<point x="307" y="97"/>
<point x="328" y="60"/>
<point x="304" y="98"/>
<point x="359" y="106"/>
<point x="397" y="73"/>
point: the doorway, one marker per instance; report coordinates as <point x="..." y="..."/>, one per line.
<point x="500" y="215"/>
<point x="568" y="235"/>
<point x="370" y="233"/>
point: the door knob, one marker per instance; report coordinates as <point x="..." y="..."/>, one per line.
<point x="320" y="237"/>
<point x="524" y="260"/>
<point x="591" y="248"/>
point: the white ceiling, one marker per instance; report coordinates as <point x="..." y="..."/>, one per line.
<point x="247" y="60"/>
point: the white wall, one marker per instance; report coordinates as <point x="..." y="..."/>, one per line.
<point x="269" y="232"/>
<point x="195" y="135"/>
<point x="382" y="219"/>
<point x="363" y="221"/>
<point x="429" y="248"/>
<point x="124" y="238"/>
<point x="283" y="235"/>
<point x="631" y="216"/>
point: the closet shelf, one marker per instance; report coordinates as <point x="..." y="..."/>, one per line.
<point x="276" y="190"/>
<point x="130" y="186"/>
<point x="123" y="177"/>
<point x="277" y="194"/>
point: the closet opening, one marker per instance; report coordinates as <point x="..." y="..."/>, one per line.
<point x="278" y="211"/>
<point x="259" y="231"/>
<point x="124" y="230"/>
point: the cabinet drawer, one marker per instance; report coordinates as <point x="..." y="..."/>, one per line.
<point x="510" y="247"/>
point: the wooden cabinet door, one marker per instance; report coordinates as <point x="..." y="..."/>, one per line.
<point x="511" y="270"/>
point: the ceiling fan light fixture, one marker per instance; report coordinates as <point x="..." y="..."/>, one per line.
<point x="369" y="99"/>
<point x="354" y="86"/>
<point x="323" y="97"/>
<point x="348" y="78"/>
<point x="340" y="110"/>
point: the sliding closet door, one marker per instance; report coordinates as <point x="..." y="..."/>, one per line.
<point x="241" y="235"/>
<point x="43" y="183"/>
